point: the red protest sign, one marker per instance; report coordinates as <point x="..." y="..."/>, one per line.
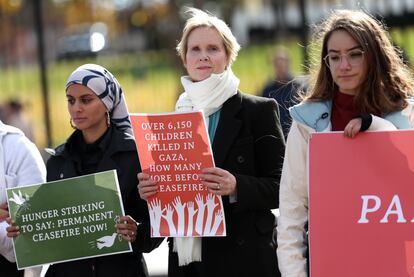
<point x="173" y="148"/>
<point x="361" y="208"/>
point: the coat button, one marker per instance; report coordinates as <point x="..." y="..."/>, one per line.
<point x="240" y="159"/>
<point x="240" y="241"/>
<point x="61" y="175"/>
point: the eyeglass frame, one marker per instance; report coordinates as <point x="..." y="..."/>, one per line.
<point x="346" y="57"/>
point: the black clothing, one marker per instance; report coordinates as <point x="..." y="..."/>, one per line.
<point x="9" y="269"/>
<point x="285" y="93"/>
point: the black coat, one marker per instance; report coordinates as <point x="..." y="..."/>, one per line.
<point x="121" y="155"/>
<point x="286" y="95"/>
<point x="249" y="143"/>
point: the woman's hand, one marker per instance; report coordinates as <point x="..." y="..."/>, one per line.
<point x="127" y="227"/>
<point x="12" y="230"/>
<point x="353" y="127"/>
<point x="146" y="186"/>
<point x="219" y="181"/>
<point x="4" y="212"/>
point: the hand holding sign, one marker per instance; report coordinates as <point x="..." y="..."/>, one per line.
<point x="4" y="212"/>
<point x="146" y="186"/>
<point x="127" y="228"/>
<point x="219" y="181"/>
<point x="12" y="230"/>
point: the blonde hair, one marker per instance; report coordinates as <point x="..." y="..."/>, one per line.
<point x="388" y="81"/>
<point x="199" y="18"/>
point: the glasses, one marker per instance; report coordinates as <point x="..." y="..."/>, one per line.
<point x="353" y="57"/>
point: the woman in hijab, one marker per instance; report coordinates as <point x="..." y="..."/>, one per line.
<point x="248" y="146"/>
<point x="102" y="141"/>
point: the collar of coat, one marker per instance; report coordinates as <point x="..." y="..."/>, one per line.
<point x="120" y="142"/>
<point x="227" y="129"/>
<point x="317" y="115"/>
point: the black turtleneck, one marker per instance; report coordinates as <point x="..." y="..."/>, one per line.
<point x="90" y="154"/>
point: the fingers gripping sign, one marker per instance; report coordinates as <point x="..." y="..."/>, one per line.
<point x="146" y="186"/>
<point x="4" y="212"/>
<point x="219" y="181"/>
<point x="127" y="228"/>
<point x="353" y="127"/>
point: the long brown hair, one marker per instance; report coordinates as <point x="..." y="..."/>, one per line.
<point x="388" y="82"/>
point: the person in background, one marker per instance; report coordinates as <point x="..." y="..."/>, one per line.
<point x="248" y="146"/>
<point x="360" y="83"/>
<point x="13" y="113"/>
<point x="283" y="88"/>
<point x="102" y="141"/>
<point x="20" y="164"/>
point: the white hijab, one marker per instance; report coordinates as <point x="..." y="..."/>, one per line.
<point x="207" y="95"/>
<point x="107" y="88"/>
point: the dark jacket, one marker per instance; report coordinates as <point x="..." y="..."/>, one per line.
<point x="286" y="95"/>
<point x="121" y="155"/>
<point x="249" y="143"/>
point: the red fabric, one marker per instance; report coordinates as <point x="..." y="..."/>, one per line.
<point x="343" y="111"/>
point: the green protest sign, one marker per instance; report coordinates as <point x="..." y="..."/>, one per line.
<point x="67" y="219"/>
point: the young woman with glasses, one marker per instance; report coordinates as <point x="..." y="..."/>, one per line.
<point x="360" y="83"/>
